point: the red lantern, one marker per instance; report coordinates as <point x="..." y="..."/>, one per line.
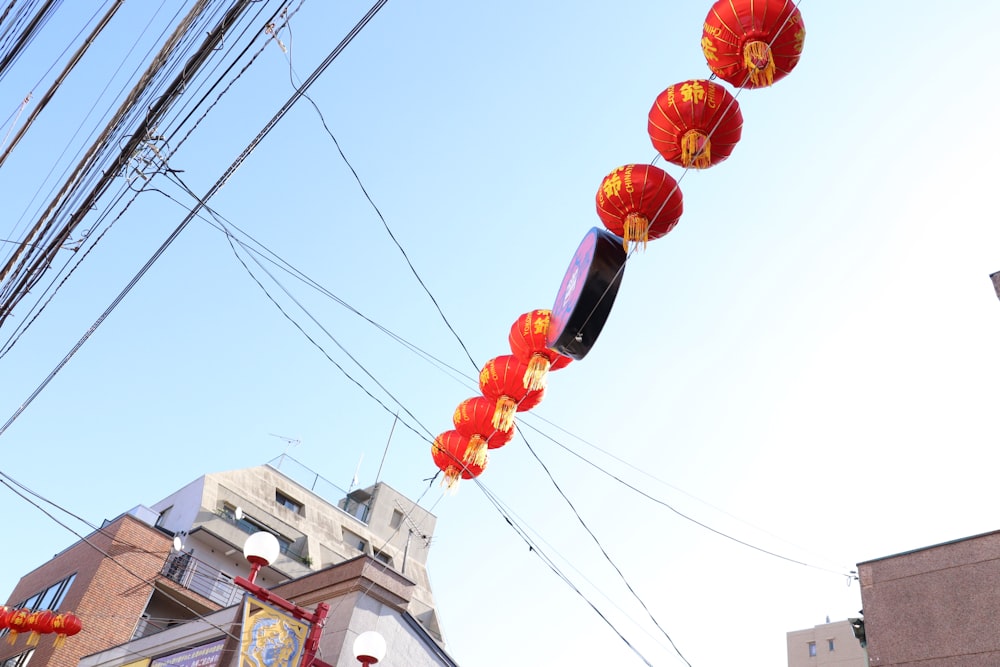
<point x="531" y="400"/>
<point x="17" y="622"/>
<point x="448" y="452"/>
<point x="753" y="43"/>
<point x="502" y="381"/>
<point x="639" y="202"/>
<point x="527" y="342"/>
<point x="40" y="623"/>
<point x="696" y="123"/>
<point x="473" y="418"/>
<point x="65" y="625"/>
<point x="5" y="613"/>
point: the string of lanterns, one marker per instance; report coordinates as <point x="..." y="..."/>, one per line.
<point x="694" y="124"/>
<point x="38" y="623"/>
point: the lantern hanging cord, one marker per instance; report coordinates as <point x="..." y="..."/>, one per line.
<point x="677" y="184"/>
<point x="729" y="104"/>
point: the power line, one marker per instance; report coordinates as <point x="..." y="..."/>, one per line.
<point x="604" y="551"/>
<point x="201" y="203"/>
<point x="388" y="229"/>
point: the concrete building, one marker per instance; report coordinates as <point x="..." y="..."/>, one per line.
<point x="824" y="646"/>
<point x="161" y="566"/>
<point x="936" y="606"/>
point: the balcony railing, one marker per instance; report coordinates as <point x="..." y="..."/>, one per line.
<point x="350" y="502"/>
<point x="195" y="575"/>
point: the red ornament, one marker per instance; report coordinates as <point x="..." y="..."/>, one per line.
<point x="448" y="452"/>
<point x="527" y="342"/>
<point x="5" y="612"/>
<point x="473" y="419"/>
<point x="65" y="625"/>
<point x="753" y="43"/>
<point x="17" y="622"/>
<point x="502" y="381"/>
<point x="531" y="400"/>
<point x="696" y="123"/>
<point x="639" y="202"/>
<point x="40" y="623"/>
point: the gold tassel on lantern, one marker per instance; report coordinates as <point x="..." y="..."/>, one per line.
<point x="451" y="476"/>
<point x="538" y="370"/>
<point x="475" y="453"/>
<point x="503" y="416"/>
<point x="696" y="150"/>
<point x="758" y="61"/>
<point x="636" y="230"/>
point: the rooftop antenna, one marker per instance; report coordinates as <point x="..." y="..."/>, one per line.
<point x="412" y="529"/>
<point x="357" y="470"/>
<point x="289" y="442"/>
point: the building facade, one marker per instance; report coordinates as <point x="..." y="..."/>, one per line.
<point x="362" y="593"/>
<point x="162" y="566"/>
<point x="825" y="645"/>
<point x="936" y="606"/>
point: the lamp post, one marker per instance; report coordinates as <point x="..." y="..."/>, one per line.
<point x="262" y="549"/>
<point x="369" y="648"/>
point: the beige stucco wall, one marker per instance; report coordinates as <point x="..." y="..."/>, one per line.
<point x="847" y="651"/>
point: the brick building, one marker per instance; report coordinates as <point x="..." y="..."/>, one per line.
<point x="937" y="606"/>
<point x="157" y="567"/>
<point x="107" y="591"/>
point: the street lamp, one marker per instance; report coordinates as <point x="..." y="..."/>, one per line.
<point x="262" y="549"/>
<point x="369" y="648"/>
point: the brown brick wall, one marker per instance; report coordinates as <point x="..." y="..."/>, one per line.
<point x="935" y="607"/>
<point x="109" y="598"/>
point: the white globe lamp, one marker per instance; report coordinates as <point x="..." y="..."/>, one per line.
<point x="369" y="648"/>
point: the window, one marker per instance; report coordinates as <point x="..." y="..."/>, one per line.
<point x="161" y="521"/>
<point x="53" y="596"/>
<point x="250" y="526"/>
<point x="49" y="598"/>
<point x="812" y="649"/>
<point x="830" y="644"/>
<point x="384" y="557"/>
<point x="287" y="502"/>
<point x="355" y="540"/>
<point x="396" y="520"/>
<point x="20" y="660"/>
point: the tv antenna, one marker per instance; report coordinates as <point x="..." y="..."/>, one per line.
<point x="413" y="527"/>
<point x="289" y="442"/>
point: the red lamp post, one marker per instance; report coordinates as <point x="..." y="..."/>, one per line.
<point x="262" y="549"/>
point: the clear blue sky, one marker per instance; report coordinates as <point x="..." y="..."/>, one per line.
<point x="808" y="362"/>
